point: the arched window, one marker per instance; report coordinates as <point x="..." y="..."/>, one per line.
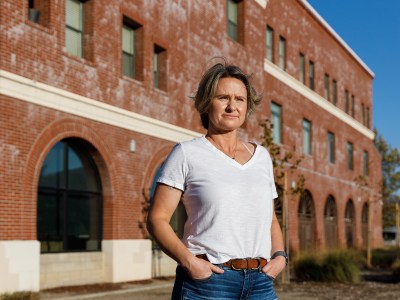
<point x="349" y="224"/>
<point x="330" y="223"/>
<point x="364" y="224"/>
<point x="69" y="210"/>
<point x="306" y="222"/>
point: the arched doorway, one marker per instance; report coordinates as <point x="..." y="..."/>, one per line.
<point x="306" y="222"/>
<point x="349" y="221"/>
<point x="364" y="225"/>
<point x="330" y="220"/>
<point x="69" y="208"/>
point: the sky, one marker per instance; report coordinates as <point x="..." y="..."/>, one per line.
<point x="372" y="29"/>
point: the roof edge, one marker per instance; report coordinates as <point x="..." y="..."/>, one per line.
<point x="335" y="35"/>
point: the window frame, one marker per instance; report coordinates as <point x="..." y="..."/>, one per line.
<point x="307" y="143"/>
<point x="302" y="68"/>
<point x="276" y="113"/>
<point x="311" y="75"/>
<point x="331" y="147"/>
<point x="282" y="53"/>
<point x="350" y="156"/>
<point x="269" y="37"/>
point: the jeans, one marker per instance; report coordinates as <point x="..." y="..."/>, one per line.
<point x="232" y="285"/>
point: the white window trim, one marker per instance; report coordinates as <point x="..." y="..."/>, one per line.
<point x="31" y="91"/>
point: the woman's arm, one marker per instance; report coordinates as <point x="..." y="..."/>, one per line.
<point x="276" y="265"/>
<point x="165" y="201"/>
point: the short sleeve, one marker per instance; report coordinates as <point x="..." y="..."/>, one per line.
<point x="273" y="186"/>
<point x="174" y="169"/>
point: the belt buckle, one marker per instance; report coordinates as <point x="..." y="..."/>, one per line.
<point x="247" y="264"/>
<point x="259" y="264"/>
<point x="233" y="267"/>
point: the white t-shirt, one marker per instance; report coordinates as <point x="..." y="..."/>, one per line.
<point x="229" y="205"/>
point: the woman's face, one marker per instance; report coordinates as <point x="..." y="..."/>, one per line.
<point x="228" y="107"/>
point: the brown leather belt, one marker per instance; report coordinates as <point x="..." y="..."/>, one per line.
<point x="241" y="263"/>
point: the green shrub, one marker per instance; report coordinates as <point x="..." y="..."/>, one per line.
<point x="384" y="258"/>
<point x="396" y="269"/>
<point x="20" y="296"/>
<point x="337" y="266"/>
<point x="307" y="267"/>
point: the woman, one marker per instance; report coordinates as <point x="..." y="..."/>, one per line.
<point x="227" y="188"/>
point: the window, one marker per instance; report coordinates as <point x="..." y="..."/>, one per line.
<point x="302" y="67"/>
<point x="282" y="53"/>
<point x="307" y="138"/>
<point x="350" y="156"/>
<point x="311" y="75"/>
<point x="363" y="114"/>
<point x="326" y="87"/>
<point x="235" y="20"/>
<point x="346" y="101"/>
<point x="334" y="92"/>
<point x="276" y="117"/>
<point x="69" y="209"/>
<point x="352" y="106"/>
<point x="160" y="68"/>
<point x="39" y="11"/>
<point x="74" y="27"/>
<point x="269" y="39"/>
<point x="331" y="147"/>
<point x="368" y="119"/>
<point x="132" y="63"/>
<point x="365" y="163"/>
<point x="128" y="51"/>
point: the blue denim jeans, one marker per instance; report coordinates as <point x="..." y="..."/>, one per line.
<point x="232" y="285"/>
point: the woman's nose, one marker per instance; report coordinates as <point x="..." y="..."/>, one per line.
<point x="231" y="105"/>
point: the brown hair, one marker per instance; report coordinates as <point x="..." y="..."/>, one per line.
<point x="208" y="85"/>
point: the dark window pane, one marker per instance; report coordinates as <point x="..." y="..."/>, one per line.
<point x="52" y="173"/>
<point x="81" y="175"/>
<point x="49" y="223"/>
<point x="82" y="222"/>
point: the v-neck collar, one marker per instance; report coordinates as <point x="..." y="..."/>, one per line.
<point x="229" y="159"/>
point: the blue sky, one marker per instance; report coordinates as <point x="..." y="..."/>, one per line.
<point x="372" y="29"/>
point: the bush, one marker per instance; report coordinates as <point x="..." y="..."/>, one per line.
<point x="384" y="258"/>
<point x="307" y="267"/>
<point x="20" y="296"/>
<point x="396" y="270"/>
<point x="337" y="266"/>
<point x="340" y="267"/>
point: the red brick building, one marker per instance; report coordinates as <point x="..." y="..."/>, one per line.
<point x="94" y="94"/>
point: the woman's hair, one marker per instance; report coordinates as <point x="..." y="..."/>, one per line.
<point x="208" y="85"/>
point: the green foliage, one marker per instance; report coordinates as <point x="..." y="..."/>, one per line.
<point x="384" y="258"/>
<point x="390" y="178"/>
<point x="339" y="267"/>
<point x="335" y="266"/>
<point x="308" y="267"/>
<point x="396" y="269"/>
<point x="283" y="161"/>
<point x="20" y="296"/>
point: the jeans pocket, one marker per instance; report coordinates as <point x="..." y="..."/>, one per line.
<point x="204" y="279"/>
<point x="269" y="277"/>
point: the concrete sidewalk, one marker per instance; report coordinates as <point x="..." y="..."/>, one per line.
<point x="152" y="290"/>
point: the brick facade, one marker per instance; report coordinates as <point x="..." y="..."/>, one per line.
<point x="40" y="83"/>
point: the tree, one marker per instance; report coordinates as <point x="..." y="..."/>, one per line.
<point x="390" y="179"/>
<point x="283" y="161"/>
